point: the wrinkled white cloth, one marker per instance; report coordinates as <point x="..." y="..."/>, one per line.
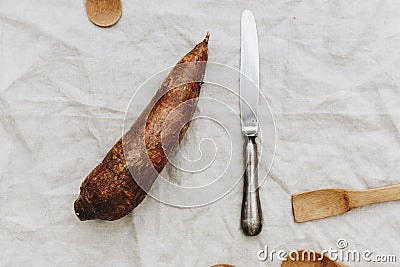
<point x="329" y="69"/>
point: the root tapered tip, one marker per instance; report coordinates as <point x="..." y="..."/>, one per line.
<point x="207" y="37"/>
<point x="81" y="211"/>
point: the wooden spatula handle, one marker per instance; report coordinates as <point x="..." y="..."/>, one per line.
<point x="376" y="195"/>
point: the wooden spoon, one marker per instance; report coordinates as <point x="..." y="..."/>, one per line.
<point x="104" y="13"/>
<point x="303" y="258"/>
<point x="324" y="203"/>
<point x="222" y="265"/>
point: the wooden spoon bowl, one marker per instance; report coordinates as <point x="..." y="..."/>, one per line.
<point x="104" y="13"/>
<point x="304" y="258"/>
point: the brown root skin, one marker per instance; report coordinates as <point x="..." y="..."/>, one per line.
<point x="110" y="192"/>
<point x="80" y="211"/>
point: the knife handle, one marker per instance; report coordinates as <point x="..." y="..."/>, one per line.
<point x="251" y="219"/>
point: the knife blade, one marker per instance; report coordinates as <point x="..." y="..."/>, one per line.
<point x="249" y="74"/>
<point x="251" y="214"/>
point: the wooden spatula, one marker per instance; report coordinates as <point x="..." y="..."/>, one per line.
<point x="324" y="203"/>
<point x="104" y="13"/>
<point x="309" y="259"/>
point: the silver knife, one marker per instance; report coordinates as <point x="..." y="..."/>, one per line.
<point x="251" y="217"/>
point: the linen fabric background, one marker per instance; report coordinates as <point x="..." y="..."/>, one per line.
<point x="329" y="70"/>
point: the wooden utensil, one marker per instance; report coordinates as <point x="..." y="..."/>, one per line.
<point x="104" y="13"/>
<point x="303" y="258"/>
<point x="324" y="203"/>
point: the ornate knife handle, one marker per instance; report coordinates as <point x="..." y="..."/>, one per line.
<point x="251" y="219"/>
